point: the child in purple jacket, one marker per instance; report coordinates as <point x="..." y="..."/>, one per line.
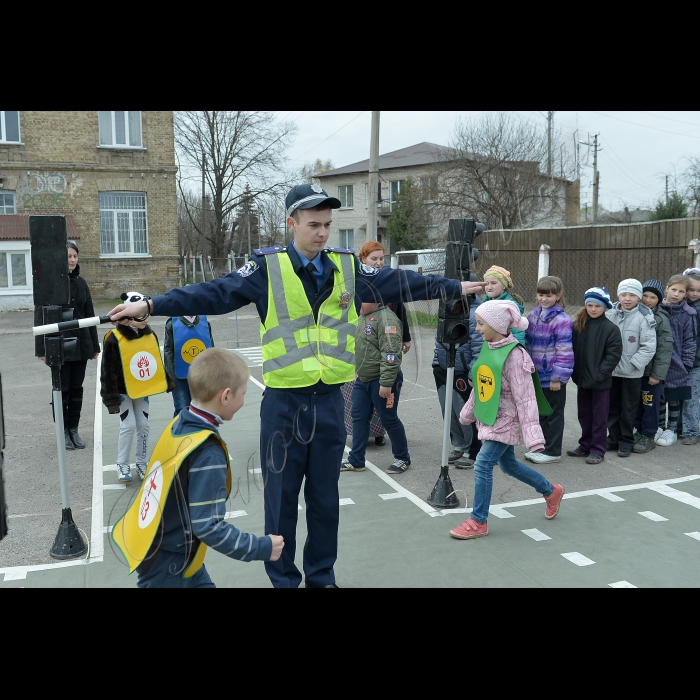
<point x="548" y="340"/>
<point x="678" y="383"/>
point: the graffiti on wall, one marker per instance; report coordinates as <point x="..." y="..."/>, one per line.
<point x="46" y="191"/>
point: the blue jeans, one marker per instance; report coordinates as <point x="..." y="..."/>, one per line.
<point x="365" y="396"/>
<point x="181" y="395"/>
<point x="490" y="453"/>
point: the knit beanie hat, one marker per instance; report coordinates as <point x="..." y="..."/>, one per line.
<point x="501" y="274"/>
<point x="631" y="286"/>
<point x="656" y="287"/>
<point x="599" y="295"/>
<point x="502" y="315"/>
<point x="691" y="271"/>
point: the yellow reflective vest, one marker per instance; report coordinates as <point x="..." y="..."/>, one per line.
<point x="142" y="365"/>
<point x="297" y="350"/>
<point x="135" y="531"/>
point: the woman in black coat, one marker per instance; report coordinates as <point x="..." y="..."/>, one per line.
<point x="88" y="348"/>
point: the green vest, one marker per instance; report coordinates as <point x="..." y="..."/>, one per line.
<point x="298" y="351"/>
<point x="486" y="377"/>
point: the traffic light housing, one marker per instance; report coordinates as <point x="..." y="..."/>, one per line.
<point x="453" y="312"/>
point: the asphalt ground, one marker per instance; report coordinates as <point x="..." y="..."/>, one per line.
<point x="33" y="493"/>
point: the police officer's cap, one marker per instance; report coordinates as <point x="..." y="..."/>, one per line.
<point x="308" y="196"/>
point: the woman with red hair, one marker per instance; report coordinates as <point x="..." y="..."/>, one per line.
<point x="372" y="253"/>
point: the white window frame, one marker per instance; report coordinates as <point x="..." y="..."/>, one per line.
<point x="345" y="232"/>
<point x="398" y="191"/>
<point x="352" y="196"/>
<point x="114" y="212"/>
<point x="10" y="248"/>
<point x="3" y="131"/>
<point x="14" y="201"/>
<point x="125" y="146"/>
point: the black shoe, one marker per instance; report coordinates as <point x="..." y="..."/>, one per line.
<point x="624" y="451"/>
<point x="77" y="440"/>
<point x="380" y="440"/>
<point x="330" y="585"/>
<point x="69" y="442"/>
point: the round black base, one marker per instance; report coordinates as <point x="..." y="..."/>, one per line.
<point x="443" y="493"/>
<point x="69" y="542"/>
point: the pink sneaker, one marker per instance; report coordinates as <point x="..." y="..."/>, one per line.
<point x="554" y="501"/>
<point x="470" y="529"/>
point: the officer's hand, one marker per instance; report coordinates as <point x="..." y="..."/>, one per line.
<point x="385" y="391"/>
<point x="406" y="347"/>
<point x="277" y="547"/>
<point x="472" y="287"/>
<point x="136" y="309"/>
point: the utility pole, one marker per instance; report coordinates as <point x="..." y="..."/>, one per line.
<point x="667" y="189"/>
<point x="596" y="175"/>
<point x="373" y="185"/>
<point x="204" y="208"/>
<point x="549" y="143"/>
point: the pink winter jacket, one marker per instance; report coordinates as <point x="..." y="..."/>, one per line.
<point x="518" y="420"/>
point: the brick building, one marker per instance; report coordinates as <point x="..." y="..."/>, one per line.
<point x="113" y="175"/>
<point x="422" y="162"/>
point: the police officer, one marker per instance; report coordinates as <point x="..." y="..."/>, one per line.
<point x="308" y="297"/>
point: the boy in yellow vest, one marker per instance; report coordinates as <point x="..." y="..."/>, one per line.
<point x="181" y="506"/>
<point x="132" y="370"/>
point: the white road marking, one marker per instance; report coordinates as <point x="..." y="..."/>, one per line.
<point x="652" y="516"/>
<point x="694" y="535"/>
<point x="500" y="512"/>
<point x="234" y="514"/>
<point x="611" y="497"/>
<point x="242" y="318"/>
<point x="252" y="355"/>
<point x="109" y="468"/>
<point x="107" y="529"/>
<point x="97" y="545"/>
<point x="577" y="558"/>
<point x="536" y="535"/>
<point x="621" y="584"/>
<point x="256" y="382"/>
<point x="391" y="496"/>
<point x="675" y="494"/>
<point x="346" y="502"/>
<point x="17" y="573"/>
<point x="113" y="487"/>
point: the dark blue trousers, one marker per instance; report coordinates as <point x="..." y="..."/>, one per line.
<point x="302" y="438"/>
<point x="647" y="421"/>
<point x="365" y="396"/>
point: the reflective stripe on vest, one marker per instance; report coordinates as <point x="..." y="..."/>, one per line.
<point x="142" y="365"/>
<point x="188" y="342"/>
<point x="298" y="351"/>
<point x="135" y="531"/>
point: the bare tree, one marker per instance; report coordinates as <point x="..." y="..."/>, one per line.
<point x="319" y="166"/>
<point x="235" y="150"/>
<point x="491" y="171"/>
<point x="272" y="218"/>
<point x="690" y="185"/>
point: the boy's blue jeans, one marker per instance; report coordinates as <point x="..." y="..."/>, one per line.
<point x="365" y="395"/>
<point x="181" y="395"/>
<point x="492" y="452"/>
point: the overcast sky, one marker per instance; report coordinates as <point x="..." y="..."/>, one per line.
<point x="638" y="148"/>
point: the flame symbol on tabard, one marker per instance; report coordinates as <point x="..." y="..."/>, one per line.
<point x="142" y="362"/>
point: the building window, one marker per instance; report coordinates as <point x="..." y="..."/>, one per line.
<point x="123" y="226"/>
<point x="9" y="127"/>
<point x="345" y="196"/>
<point x="428" y="189"/>
<point x="7" y="203"/>
<point x="120" y="129"/>
<point x="347" y="238"/>
<point x="394" y="190"/>
<point x="13" y="270"/>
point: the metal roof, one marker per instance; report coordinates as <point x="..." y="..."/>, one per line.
<point x="15" y="227"/>
<point x="423" y="153"/>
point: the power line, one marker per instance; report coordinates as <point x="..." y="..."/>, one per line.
<point x="671" y="119"/>
<point x="644" y="126"/>
<point x="632" y="175"/>
<point x="333" y="134"/>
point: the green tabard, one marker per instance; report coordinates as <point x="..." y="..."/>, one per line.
<point x="486" y="374"/>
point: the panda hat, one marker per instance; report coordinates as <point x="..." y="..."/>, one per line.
<point x="131" y="297"/>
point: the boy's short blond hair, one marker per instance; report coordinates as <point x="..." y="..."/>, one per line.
<point x="213" y="370"/>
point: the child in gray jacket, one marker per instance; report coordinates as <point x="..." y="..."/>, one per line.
<point x="638" y="329"/>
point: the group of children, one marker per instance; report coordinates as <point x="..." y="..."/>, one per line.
<point x="636" y="364"/>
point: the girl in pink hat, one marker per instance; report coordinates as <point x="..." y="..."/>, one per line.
<point x="504" y="405"/>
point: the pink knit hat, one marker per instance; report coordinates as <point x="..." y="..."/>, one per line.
<point x="502" y="315"/>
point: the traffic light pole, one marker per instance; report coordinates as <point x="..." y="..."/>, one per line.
<point x="443" y="493"/>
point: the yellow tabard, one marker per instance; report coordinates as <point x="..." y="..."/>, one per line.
<point x="135" y="531"/>
<point x="144" y="372"/>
